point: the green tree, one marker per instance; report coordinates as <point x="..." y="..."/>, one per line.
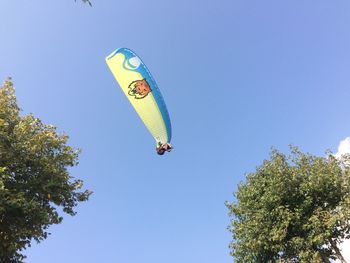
<point x="86" y="1"/>
<point x="293" y="208"/>
<point x="34" y="180"/>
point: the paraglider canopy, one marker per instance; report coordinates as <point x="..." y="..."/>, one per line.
<point x="143" y="93"/>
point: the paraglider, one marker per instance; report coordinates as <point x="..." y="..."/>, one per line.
<point x="144" y="95"/>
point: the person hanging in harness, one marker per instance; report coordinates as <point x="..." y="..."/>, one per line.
<point x="163" y="147"/>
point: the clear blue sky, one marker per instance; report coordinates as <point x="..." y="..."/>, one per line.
<point x="238" y="77"/>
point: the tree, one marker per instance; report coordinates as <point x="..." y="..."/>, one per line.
<point x="86" y="1"/>
<point x="293" y="208"/>
<point x="34" y="180"/>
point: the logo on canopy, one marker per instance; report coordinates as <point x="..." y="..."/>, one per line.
<point x="139" y="89"/>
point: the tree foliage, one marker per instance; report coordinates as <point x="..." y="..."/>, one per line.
<point x="86" y="1"/>
<point x="34" y="180"/>
<point x="293" y="208"/>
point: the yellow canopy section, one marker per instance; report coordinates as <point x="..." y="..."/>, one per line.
<point x="139" y="87"/>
